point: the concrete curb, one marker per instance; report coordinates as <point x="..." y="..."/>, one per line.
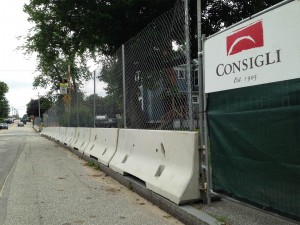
<point x="186" y="213"/>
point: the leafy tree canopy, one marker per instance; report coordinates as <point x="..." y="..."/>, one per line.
<point x="101" y="26"/>
<point x="66" y="32"/>
<point x="4" y="106"/>
<point x="33" y="106"/>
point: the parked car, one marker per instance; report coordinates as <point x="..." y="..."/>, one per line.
<point x="8" y="120"/>
<point x="20" y="124"/>
<point x="3" y="126"/>
<point x="105" y="122"/>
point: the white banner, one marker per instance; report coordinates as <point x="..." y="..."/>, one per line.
<point x="262" y="50"/>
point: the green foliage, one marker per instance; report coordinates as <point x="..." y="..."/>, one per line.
<point x="33" y="106"/>
<point x="4" y="106"/>
<point x="107" y="105"/>
<point x="218" y="14"/>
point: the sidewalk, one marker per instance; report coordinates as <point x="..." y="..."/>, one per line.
<point x="224" y="211"/>
<point x="48" y="185"/>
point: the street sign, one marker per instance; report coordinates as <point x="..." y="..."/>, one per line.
<point x="63" y="88"/>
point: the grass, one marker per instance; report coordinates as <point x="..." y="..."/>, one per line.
<point x="223" y="220"/>
<point x="130" y="186"/>
<point x="90" y="163"/>
<point x="94" y="165"/>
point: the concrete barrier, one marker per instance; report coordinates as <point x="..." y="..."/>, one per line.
<point x="54" y="132"/>
<point x="37" y="128"/>
<point x="70" y="136"/>
<point x="62" y="134"/>
<point x="103" y="144"/>
<point x="82" y="136"/>
<point x="167" y="161"/>
<point x="46" y="131"/>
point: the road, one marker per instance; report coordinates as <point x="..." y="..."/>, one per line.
<point x="12" y="142"/>
<point x="43" y="183"/>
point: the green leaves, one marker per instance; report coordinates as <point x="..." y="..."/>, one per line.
<point x="4" y="106"/>
<point x="33" y="106"/>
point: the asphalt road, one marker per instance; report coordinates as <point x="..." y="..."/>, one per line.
<point x="43" y="183"/>
<point x="11" y="144"/>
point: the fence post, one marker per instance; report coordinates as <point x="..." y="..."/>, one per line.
<point x="124" y="86"/>
<point x="205" y="178"/>
<point x="205" y="121"/>
<point x="188" y="63"/>
<point x="94" y="98"/>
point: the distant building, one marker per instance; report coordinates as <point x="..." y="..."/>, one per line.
<point x="164" y="100"/>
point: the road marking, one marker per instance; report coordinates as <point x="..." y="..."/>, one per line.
<point x="1" y="191"/>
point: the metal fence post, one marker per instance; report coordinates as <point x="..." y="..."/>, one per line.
<point x="206" y="138"/>
<point x="94" y="99"/>
<point x="205" y="181"/>
<point x="188" y="63"/>
<point x="124" y="86"/>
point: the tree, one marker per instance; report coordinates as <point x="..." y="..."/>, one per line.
<point x="69" y="29"/>
<point x="65" y="31"/>
<point x="54" y="47"/>
<point x="33" y="106"/>
<point x="4" y="106"/>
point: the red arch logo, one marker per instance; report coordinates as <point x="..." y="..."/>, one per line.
<point x="245" y="38"/>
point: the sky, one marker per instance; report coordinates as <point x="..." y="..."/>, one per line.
<point x="17" y="70"/>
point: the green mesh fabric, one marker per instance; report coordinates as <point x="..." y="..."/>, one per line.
<point x="255" y="144"/>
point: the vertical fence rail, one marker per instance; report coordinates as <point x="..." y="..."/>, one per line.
<point x="124" y="86"/>
<point x="188" y="63"/>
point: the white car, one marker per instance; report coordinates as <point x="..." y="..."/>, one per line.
<point x="20" y="124"/>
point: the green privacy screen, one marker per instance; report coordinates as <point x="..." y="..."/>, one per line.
<point x="255" y="144"/>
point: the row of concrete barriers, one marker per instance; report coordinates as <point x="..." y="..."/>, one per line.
<point x="167" y="161"/>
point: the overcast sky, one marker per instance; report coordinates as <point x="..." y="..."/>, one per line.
<point x="16" y="70"/>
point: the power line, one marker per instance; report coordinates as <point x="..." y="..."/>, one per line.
<point x="15" y="70"/>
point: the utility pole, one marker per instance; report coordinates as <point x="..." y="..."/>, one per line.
<point x="39" y="105"/>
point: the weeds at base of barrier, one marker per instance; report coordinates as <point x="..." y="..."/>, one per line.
<point x="223" y="220"/>
<point x="97" y="167"/>
<point x="89" y="163"/>
<point x="167" y="216"/>
<point x="130" y="186"/>
<point x="92" y="164"/>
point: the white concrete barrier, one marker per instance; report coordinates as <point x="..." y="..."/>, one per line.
<point x="62" y="134"/>
<point x="82" y="136"/>
<point x="103" y="144"/>
<point x="37" y="128"/>
<point x="70" y="136"/>
<point x="167" y="161"/>
<point x="55" y="133"/>
<point x="46" y="131"/>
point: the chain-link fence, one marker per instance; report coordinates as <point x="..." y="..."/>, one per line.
<point x="158" y="85"/>
<point x="149" y="85"/>
<point x="86" y="105"/>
